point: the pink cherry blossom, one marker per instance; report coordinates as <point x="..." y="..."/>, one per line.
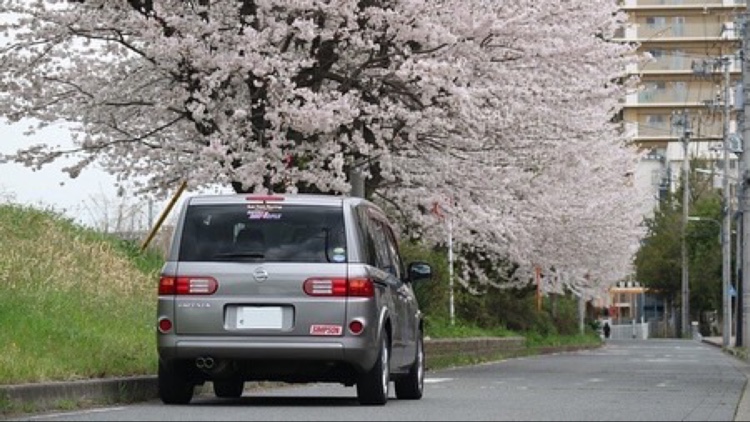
<point x="502" y="111"/>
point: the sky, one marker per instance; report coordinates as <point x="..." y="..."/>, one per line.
<point x="90" y="199"/>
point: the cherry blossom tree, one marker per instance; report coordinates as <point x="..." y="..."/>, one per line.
<point x="499" y="111"/>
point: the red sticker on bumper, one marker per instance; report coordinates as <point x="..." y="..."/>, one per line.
<point x="325" y="330"/>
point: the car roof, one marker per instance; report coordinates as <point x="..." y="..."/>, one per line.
<point x="292" y="199"/>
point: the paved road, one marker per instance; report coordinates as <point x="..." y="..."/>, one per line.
<point x="660" y="380"/>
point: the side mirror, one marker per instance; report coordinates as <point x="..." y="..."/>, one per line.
<point x="419" y="271"/>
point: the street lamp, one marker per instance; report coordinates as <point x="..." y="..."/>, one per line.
<point x="685" y="277"/>
<point x="725" y="277"/>
<point x="727" y="248"/>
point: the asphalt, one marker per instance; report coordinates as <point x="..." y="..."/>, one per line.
<point x="38" y="397"/>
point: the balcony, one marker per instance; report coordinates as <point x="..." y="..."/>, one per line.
<point x="678" y="62"/>
<point x="644" y="130"/>
<point x="672" y="94"/>
<point x="663" y="29"/>
<point x="673" y="4"/>
<point x="657" y="127"/>
<point x="648" y="130"/>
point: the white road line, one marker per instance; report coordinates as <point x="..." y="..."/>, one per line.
<point x="436" y="380"/>
<point x="82" y="412"/>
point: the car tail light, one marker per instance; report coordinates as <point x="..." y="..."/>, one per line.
<point x="165" y="325"/>
<point x="361" y="287"/>
<point x="264" y="198"/>
<point x="356" y="326"/>
<point x="325" y="287"/>
<point x="339" y="287"/>
<point x="187" y="285"/>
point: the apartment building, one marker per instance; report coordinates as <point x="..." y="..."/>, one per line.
<point x="689" y="85"/>
<point x="694" y="48"/>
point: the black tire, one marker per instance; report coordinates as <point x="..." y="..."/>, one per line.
<point x="174" y="384"/>
<point x="372" y="386"/>
<point x="230" y="389"/>
<point x="411" y="387"/>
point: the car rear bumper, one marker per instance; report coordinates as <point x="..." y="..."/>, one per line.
<point x="355" y="351"/>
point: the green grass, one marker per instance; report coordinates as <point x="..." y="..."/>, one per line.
<point x="438" y="327"/>
<point x="74" y="303"/>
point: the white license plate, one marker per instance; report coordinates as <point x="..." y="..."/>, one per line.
<point x="265" y="317"/>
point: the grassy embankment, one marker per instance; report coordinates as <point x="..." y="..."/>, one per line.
<point x="76" y="304"/>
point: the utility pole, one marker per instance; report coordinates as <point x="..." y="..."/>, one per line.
<point x="685" y="317"/>
<point x="738" y="283"/>
<point x="744" y="205"/>
<point x="738" y="342"/>
<point x="726" y="223"/>
<point x="726" y="227"/>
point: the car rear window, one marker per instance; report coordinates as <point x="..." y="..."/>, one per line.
<point x="288" y="233"/>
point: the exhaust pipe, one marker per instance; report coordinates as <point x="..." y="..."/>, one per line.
<point x="214" y="367"/>
<point x="204" y="362"/>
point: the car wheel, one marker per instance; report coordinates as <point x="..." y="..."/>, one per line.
<point x="229" y="388"/>
<point x="372" y="387"/>
<point x="174" y="384"/>
<point x="411" y="387"/>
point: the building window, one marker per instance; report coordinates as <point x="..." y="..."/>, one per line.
<point x="654" y="22"/>
<point x="678" y="60"/>
<point x="656" y="53"/>
<point x="651" y="90"/>
<point x="656" y="176"/>
<point x="680" y="91"/>
<point x="656" y="119"/>
<point x="656" y="124"/>
<point x="678" y="26"/>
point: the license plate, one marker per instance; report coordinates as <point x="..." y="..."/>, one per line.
<point x="260" y="317"/>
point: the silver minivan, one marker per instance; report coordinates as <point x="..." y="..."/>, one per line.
<point x="289" y="288"/>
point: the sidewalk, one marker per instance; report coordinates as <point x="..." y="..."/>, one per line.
<point x="740" y="353"/>
<point x="743" y="364"/>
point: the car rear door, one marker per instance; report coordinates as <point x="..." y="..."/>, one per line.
<point x="290" y="282"/>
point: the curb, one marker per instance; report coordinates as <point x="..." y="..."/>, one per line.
<point x="73" y="394"/>
<point x="68" y="395"/>
<point x="126" y="388"/>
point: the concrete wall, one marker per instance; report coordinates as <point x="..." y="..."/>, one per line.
<point x="477" y="347"/>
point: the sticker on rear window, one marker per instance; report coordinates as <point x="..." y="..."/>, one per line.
<point x="264" y="207"/>
<point x="339" y="254"/>
<point x="263" y="215"/>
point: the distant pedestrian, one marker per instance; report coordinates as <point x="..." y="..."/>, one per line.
<point x="607" y="329"/>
